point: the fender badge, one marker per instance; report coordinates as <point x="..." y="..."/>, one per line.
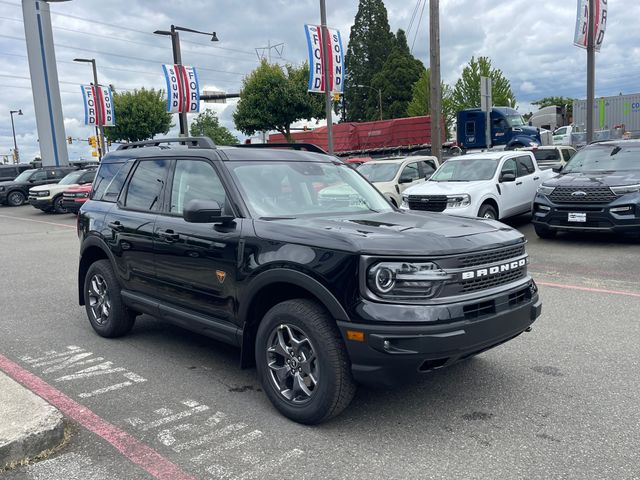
<point x="221" y="275"/>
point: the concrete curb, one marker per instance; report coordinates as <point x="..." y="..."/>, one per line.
<point x="28" y="425"/>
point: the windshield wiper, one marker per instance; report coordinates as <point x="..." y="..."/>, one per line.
<point x="277" y="218"/>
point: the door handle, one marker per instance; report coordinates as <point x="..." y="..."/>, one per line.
<point x="116" y="226"/>
<point x="518" y="183"/>
<point x="169" y="235"/>
<point x="536" y="178"/>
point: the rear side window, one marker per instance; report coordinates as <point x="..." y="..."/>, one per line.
<point x="146" y="184"/>
<point x="525" y="166"/>
<point x="109" y="181"/>
<point x="567" y="153"/>
<point x="542" y="155"/>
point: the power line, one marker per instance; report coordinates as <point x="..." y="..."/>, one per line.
<point x="418" y="27"/>
<point x="413" y="16"/>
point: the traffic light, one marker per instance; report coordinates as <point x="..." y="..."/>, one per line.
<point x="69" y="140"/>
<point x="336" y="97"/>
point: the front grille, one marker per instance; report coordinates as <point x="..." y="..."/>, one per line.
<point x="482" y="283"/>
<point x="491" y="256"/>
<point x="584" y="195"/>
<point x="428" y="203"/>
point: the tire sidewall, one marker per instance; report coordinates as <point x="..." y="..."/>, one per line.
<point x="484" y="209"/>
<point x="316" y="407"/>
<point x="11" y="195"/>
<point x="114" y="326"/>
<point x="57" y="205"/>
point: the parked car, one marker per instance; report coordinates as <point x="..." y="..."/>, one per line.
<point x="16" y="191"/>
<point x="549" y="156"/>
<point x="598" y="190"/>
<point x="9" y="172"/>
<point x="489" y="185"/>
<point x="235" y="243"/>
<point x="48" y="197"/>
<point x="74" y="197"/>
<point x="394" y="175"/>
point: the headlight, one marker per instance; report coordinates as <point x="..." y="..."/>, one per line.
<point x="544" y="190"/>
<point x="82" y="195"/>
<point x="625" y="189"/>
<point x="43" y="193"/>
<point x="458" y="201"/>
<point x="405" y="280"/>
<point x="1" y="189"/>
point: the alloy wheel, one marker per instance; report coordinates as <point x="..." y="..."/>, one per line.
<point x="99" y="301"/>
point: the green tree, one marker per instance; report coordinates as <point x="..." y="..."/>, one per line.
<point x="370" y="43"/>
<point x="421" y="101"/>
<point x="466" y="92"/>
<point x="395" y="81"/>
<point x="272" y="98"/>
<point x="556" y="101"/>
<point x="140" y="115"/>
<point x="206" y="124"/>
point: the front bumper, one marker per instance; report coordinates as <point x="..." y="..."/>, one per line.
<point x="598" y="217"/>
<point x="72" y="205"/>
<point x="41" y="203"/>
<point x="392" y="354"/>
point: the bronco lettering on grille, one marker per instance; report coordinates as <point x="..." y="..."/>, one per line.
<point x="485" y="272"/>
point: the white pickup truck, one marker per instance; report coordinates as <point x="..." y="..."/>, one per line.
<point x="489" y="185"/>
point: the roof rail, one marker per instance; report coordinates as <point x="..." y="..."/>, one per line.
<point x="309" y="147"/>
<point x="189" y="142"/>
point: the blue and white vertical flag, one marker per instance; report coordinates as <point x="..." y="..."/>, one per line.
<point x="183" y="89"/>
<point x="580" y="38"/>
<point x="317" y="62"/>
<point x="102" y="97"/>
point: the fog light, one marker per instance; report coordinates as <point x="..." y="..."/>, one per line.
<point x="543" y="208"/>
<point x="621" y="209"/>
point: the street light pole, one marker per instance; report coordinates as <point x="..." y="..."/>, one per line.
<point x="99" y="113"/>
<point x="16" y="153"/>
<point x="177" y="60"/>
<point x="379" y="90"/>
<point x="434" y="68"/>
<point x="327" y="87"/>
<point x="591" y="68"/>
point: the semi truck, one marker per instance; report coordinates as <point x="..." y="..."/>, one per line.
<point x="508" y="129"/>
<point x="614" y="117"/>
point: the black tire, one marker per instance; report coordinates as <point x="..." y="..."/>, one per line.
<point x="16" y="198"/>
<point x="57" y="205"/>
<point x="321" y="340"/>
<point x="118" y="319"/>
<point x="488" y="211"/>
<point x="544" y="232"/>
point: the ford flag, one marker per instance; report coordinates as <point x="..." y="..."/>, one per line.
<point x="582" y="23"/>
<point x="335" y="62"/>
<point x="183" y="91"/>
<point x="92" y="97"/>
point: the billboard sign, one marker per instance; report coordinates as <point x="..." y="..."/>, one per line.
<point x="582" y="23"/>
<point x="317" y="62"/>
<point x="103" y="96"/>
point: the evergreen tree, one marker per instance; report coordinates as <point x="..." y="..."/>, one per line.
<point x="370" y="43"/>
<point x="421" y="101"/>
<point x="399" y="73"/>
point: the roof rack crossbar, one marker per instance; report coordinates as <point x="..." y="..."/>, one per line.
<point x="189" y="142"/>
<point x="309" y="147"/>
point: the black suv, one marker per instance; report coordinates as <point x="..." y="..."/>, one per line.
<point x="9" y="172"/>
<point x="15" y="192"/>
<point x="241" y="245"/>
<point x="598" y="190"/>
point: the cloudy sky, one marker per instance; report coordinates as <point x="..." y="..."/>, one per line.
<point x="530" y="40"/>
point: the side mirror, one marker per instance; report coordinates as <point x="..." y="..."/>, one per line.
<point x="204" y="211"/>
<point x="405" y="180"/>
<point x="507" y="177"/>
<point x="557" y="168"/>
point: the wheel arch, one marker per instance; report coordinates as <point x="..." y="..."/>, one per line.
<point x="92" y="251"/>
<point x="490" y="201"/>
<point x="273" y="287"/>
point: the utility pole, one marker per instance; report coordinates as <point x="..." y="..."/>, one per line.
<point x="591" y="68"/>
<point x="96" y="97"/>
<point x="327" y="87"/>
<point x="16" y="153"/>
<point x="434" y="66"/>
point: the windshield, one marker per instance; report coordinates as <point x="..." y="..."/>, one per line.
<point x="601" y="158"/>
<point x="465" y="170"/>
<point x="292" y="189"/>
<point x="71" y="178"/>
<point x="515" y="120"/>
<point x="379" y="172"/>
<point x="24" y="176"/>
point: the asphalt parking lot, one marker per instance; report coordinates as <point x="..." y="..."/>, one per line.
<point x="558" y="402"/>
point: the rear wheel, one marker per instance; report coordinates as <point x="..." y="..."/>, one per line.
<point x="15" y="198"/>
<point x="302" y="362"/>
<point x="57" y="205"/>
<point x="488" y="211"/>
<point x="544" y="232"/>
<point x="107" y="314"/>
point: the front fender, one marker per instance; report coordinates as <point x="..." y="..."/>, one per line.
<point x="93" y="248"/>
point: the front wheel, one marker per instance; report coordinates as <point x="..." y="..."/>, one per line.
<point x="107" y="313"/>
<point x="16" y="198"/>
<point x="488" y="212"/>
<point x="544" y="232"/>
<point x="57" y="205"/>
<point x="302" y="362"/>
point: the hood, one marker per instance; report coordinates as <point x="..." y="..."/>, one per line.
<point x="617" y="179"/>
<point x="445" y="188"/>
<point x="78" y="188"/>
<point x="10" y="183"/>
<point x="392" y="233"/>
<point x="47" y="186"/>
